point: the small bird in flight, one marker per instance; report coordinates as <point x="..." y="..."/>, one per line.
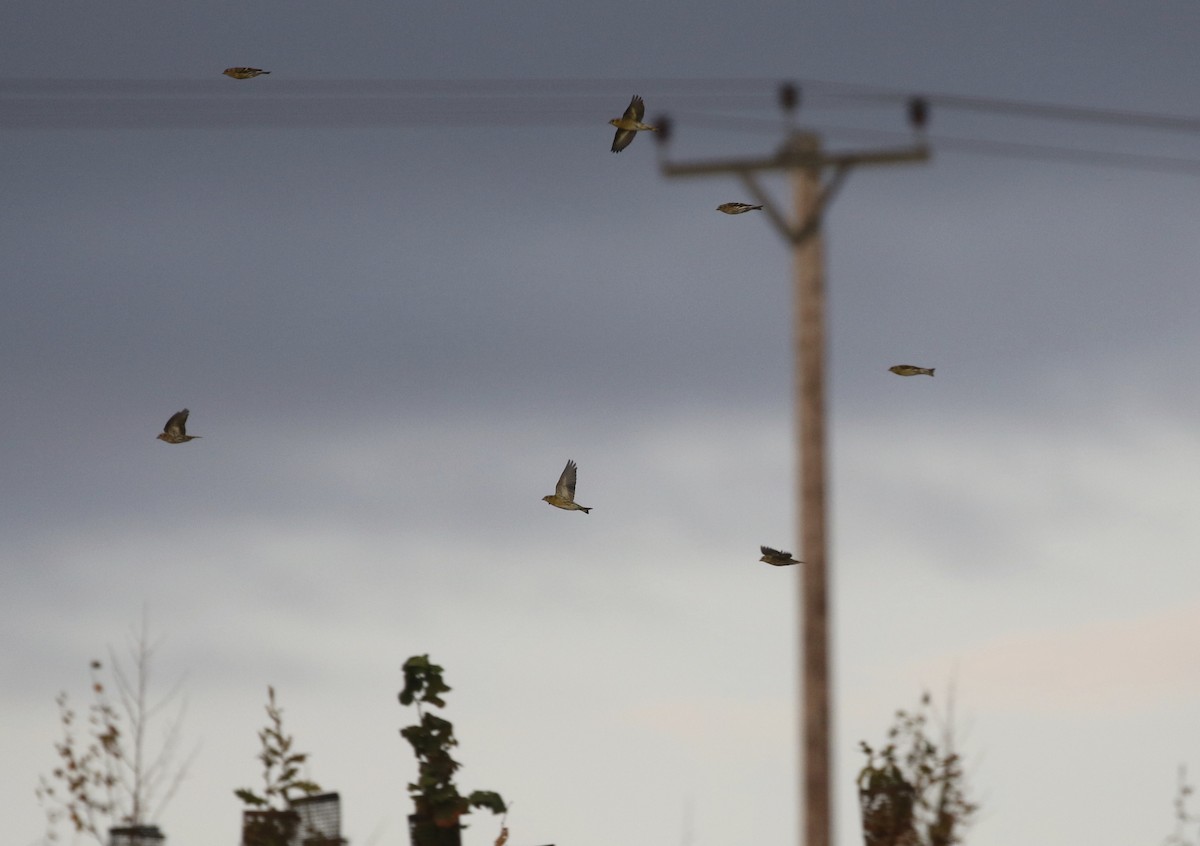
<point x="175" y="432"/>
<point x="629" y="123"/>
<point x="564" y="492"/>
<point x="244" y="73"/>
<point x="776" y="558"/>
<point x="911" y="370"/>
<point x="736" y="208"/>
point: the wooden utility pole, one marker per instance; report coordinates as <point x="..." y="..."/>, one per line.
<point x="802" y="156"/>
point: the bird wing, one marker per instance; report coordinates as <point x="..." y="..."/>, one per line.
<point x="766" y="550"/>
<point x="636" y="110"/>
<point x="623" y="139"/>
<point x="566" y="482"/>
<point x="177" y="423"/>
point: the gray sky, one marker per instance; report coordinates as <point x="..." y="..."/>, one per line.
<point x="391" y="338"/>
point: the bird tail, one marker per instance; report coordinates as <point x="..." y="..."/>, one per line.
<point x="585" y="510"/>
<point x="931" y="370"/>
<point x="265" y="73"/>
<point x="752" y="208"/>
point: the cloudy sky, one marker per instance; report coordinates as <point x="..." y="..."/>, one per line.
<point x="395" y="308"/>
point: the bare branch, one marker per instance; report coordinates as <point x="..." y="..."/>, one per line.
<point x="114" y="775"/>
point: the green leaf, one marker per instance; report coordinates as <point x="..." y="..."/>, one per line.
<point x="423" y="680"/>
<point x="249" y="797"/>
<point x="487" y="799"/>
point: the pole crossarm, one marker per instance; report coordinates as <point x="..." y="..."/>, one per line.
<point x="787" y="159"/>
<point x="794" y="155"/>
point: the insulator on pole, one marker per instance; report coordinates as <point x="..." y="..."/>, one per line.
<point x="918" y="112"/>
<point x="789" y="97"/>
<point x="665" y="125"/>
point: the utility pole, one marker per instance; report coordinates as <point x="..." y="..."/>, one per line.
<point x="801" y="155"/>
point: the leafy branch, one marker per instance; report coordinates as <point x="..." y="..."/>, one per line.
<point x="269" y="820"/>
<point x="911" y="792"/>
<point x="281" y="766"/>
<point x="435" y="795"/>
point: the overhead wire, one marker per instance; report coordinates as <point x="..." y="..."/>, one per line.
<point x="727" y="104"/>
<point x="976" y="146"/>
<point x="1037" y="152"/>
<point x="1046" y="111"/>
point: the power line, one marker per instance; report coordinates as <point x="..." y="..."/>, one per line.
<point x="1045" y="111"/>
<point x="1045" y="152"/>
<point x="744" y="93"/>
<point x="854" y="92"/>
<point x="975" y="146"/>
<point x="220" y="104"/>
<point x="736" y="105"/>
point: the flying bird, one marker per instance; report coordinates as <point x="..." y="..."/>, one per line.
<point x="736" y="208"/>
<point x="564" y="492"/>
<point x="629" y="123"/>
<point x="911" y="370"/>
<point x="776" y="558"/>
<point x="244" y="73"/>
<point x="175" y="432"/>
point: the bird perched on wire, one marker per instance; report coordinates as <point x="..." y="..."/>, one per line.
<point x="564" y="492"/>
<point x="175" y="432"/>
<point x="244" y="73"/>
<point x="629" y="124"/>
<point x="736" y="208"/>
<point x="911" y="370"/>
<point x="777" y="558"/>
